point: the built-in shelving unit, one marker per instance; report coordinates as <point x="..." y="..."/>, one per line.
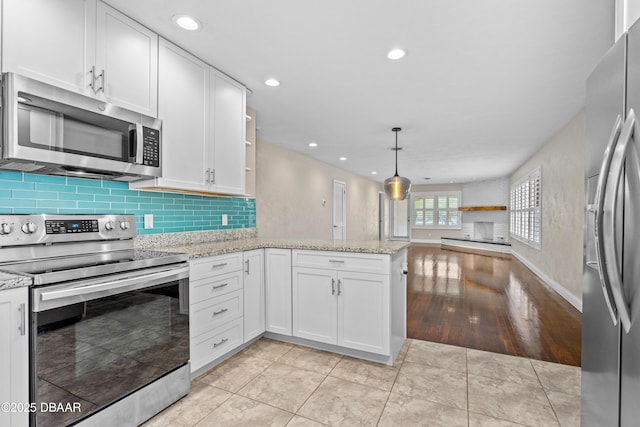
<point x="250" y="144"/>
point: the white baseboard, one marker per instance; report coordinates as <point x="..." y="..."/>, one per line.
<point x="564" y="293"/>
<point x="433" y="241"/>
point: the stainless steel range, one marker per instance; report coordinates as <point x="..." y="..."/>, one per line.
<point x="109" y="324"/>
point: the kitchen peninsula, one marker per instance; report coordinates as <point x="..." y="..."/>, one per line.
<point x="348" y="297"/>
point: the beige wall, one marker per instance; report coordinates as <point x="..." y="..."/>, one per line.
<point x="560" y="256"/>
<point x="290" y="191"/>
<point x="433" y="234"/>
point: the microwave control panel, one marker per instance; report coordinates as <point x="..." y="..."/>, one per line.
<point x="150" y="147"/>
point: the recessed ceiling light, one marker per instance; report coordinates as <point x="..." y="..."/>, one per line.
<point x="343" y="158"/>
<point x="396" y="54"/>
<point x="374" y="173"/>
<point x="187" y="22"/>
<point x="272" y="82"/>
<point x="313" y="144"/>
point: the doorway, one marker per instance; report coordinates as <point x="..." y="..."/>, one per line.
<point x="339" y="210"/>
<point x="399" y="220"/>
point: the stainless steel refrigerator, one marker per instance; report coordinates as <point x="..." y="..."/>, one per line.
<point x="611" y="289"/>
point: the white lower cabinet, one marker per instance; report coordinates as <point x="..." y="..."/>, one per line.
<point x="336" y="306"/>
<point x="14" y="355"/>
<point x="216" y="307"/>
<point x="350" y="302"/>
<point x="207" y="347"/>
<point x="254" y="318"/>
<point x="315" y="305"/>
<point x="363" y="311"/>
<point x="277" y="281"/>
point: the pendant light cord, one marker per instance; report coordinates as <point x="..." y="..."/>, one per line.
<point x="396" y="130"/>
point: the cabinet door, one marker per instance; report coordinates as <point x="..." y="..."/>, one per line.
<point x="315" y="304"/>
<point x="127" y="54"/>
<point x="14" y="354"/>
<point x="229" y="153"/>
<point x="277" y="276"/>
<point x="253" y="294"/>
<point x="48" y="39"/>
<point x="363" y="311"/>
<point x="184" y="110"/>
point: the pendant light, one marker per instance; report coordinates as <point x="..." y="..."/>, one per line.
<point x="397" y="187"/>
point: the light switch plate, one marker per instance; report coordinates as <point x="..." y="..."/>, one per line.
<point x="148" y="221"/>
<point x="225" y="220"/>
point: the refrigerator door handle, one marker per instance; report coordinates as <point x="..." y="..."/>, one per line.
<point x="609" y="215"/>
<point x="596" y="210"/>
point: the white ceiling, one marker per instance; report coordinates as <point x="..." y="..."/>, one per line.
<point x="484" y="84"/>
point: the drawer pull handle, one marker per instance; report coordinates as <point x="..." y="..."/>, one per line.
<point x="219" y="265"/>
<point x="336" y="261"/>
<point x="222" y="341"/>
<point x="219" y="286"/>
<point x="224" y="310"/>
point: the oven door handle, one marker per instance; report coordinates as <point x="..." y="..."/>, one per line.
<point x="98" y="288"/>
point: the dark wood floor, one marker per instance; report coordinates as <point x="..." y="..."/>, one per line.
<point x="488" y="303"/>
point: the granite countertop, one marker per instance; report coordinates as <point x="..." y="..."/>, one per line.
<point x="205" y="249"/>
<point x="11" y="280"/>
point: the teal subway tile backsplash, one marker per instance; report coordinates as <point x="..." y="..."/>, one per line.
<point x="23" y="193"/>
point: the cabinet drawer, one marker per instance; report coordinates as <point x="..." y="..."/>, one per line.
<point x="200" y="290"/>
<point x="368" y="263"/>
<point x="212" y="266"/>
<point x="209" y="314"/>
<point x="207" y="347"/>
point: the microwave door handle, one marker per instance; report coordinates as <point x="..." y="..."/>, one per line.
<point x="596" y="210"/>
<point x="610" y="214"/>
<point x="133" y="144"/>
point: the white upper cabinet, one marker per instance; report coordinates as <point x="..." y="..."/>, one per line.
<point x="48" y="40"/>
<point x="127" y="61"/>
<point x="183" y="107"/>
<point x="203" y="126"/>
<point x="84" y="46"/>
<point x="228" y="134"/>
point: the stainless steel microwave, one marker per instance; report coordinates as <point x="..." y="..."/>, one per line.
<point x="46" y="129"/>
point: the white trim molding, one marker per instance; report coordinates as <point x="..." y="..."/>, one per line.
<point x="433" y="241"/>
<point x="564" y="293"/>
<point x="557" y="287"/>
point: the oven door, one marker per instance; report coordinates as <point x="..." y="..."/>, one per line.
<point x="98" y="340"/>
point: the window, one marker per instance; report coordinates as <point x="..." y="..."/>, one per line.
<point x="437" y="209"/>
<point x="525" y="213"/>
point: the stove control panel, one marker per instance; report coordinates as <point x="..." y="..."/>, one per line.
<point x="71" y="226"/>
<point x="16" y="230"/>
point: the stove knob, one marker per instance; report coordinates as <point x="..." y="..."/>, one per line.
<point x="29" y="228"/>
<point x="110" y="225"/>
<point x="5" y="228"/>
<point x="125" y="225"/>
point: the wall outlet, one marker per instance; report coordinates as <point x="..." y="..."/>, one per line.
<point x="225" y="220"/>
<point x="148" y="221"/>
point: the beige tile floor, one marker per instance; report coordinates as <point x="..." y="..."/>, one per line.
<point x="271" y="383"/>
